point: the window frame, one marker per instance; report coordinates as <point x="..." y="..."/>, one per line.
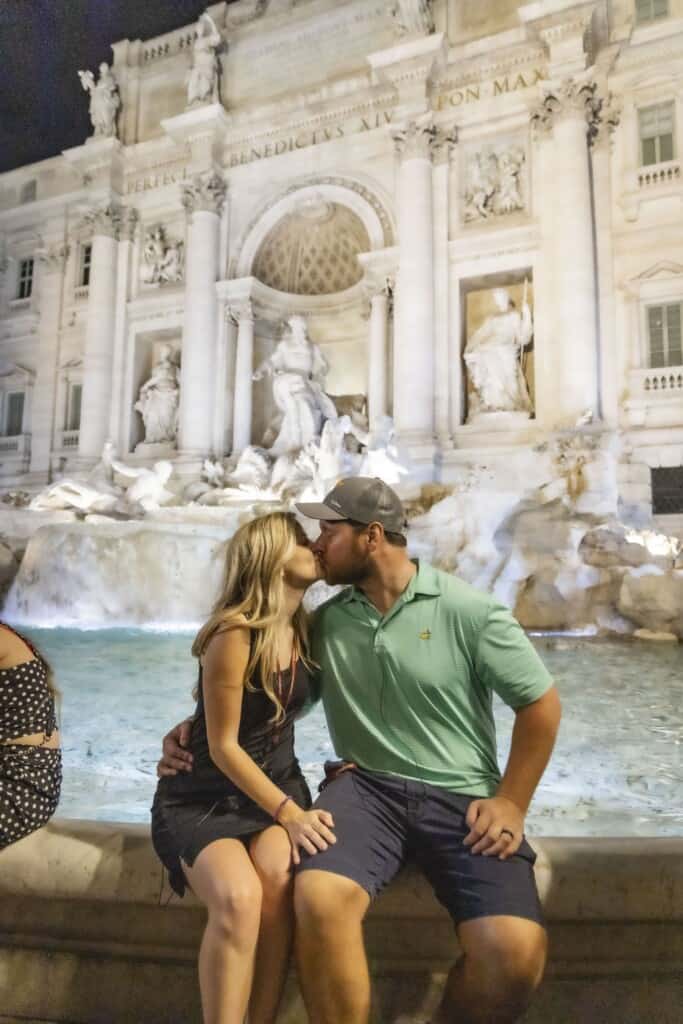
<point x="25" y="277"/>
<point x="643" y="139"/>
<point x="663" y="305"/>
<point x="651" y="18"/>
<point x="7" y="399"/>
<point x="85" y="265"/>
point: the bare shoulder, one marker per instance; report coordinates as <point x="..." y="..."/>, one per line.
<point x="227" y="652"/>
<point x="13" y="650"/>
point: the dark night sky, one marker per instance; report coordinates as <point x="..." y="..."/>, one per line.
<point x="43" y="43"/>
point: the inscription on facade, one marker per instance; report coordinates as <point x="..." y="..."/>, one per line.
<point x="478" y="91"/>
<point x="302" y="140"/>
<point x="155" y="179"/>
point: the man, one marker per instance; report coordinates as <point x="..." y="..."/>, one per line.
<point x="409" y="658"/>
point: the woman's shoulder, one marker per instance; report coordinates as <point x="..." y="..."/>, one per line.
<point x="14" y="650"/>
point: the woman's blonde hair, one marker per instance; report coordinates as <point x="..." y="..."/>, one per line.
<point x="254" y="591"/>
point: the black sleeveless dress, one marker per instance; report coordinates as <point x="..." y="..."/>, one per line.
<point x="191" y="810"/>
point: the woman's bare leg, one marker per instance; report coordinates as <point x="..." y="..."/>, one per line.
<point x="224" y="879"/>
<point x="271" y="856"/>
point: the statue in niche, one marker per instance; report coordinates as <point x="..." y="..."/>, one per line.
<point x="158" y="400"/>
<point x="298" y="369"/>
<point x="413" y="17"/>
<point x="494" y="184"/>
<point x="202" y="86"/>
<point x="163" y="259"/>
<point x="493" y="357"/>
<point x="104" y="100"/>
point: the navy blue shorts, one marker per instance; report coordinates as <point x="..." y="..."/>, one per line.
<point x="381" y="821"/>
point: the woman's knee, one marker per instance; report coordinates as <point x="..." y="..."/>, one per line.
<point x="234" y="908"/>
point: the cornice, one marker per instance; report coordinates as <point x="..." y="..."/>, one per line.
<point x="482" y="66"/>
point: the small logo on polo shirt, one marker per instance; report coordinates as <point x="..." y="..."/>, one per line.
<point x="426" y="634"/>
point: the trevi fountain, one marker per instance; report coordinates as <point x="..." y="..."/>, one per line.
<point x="409" y="240"/>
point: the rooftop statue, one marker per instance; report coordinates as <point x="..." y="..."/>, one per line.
<point x="202" y="84"/>
<point x="493" y="357"/>
<point x="104" y="100"/>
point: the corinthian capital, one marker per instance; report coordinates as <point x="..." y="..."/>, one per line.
<point x="103" y="220"/>
<point x="53" y="257"/>
<point x="203" y="192"/>
<point x="571" y="97"/>
<point x="413" y="17"/>
<point x="129" y="223"/>
<point x="415" y="139"/>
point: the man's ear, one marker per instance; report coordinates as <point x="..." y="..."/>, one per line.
<point x="375" y="534"/>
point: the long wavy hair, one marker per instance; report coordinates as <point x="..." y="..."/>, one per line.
<point x="254" y="590"/>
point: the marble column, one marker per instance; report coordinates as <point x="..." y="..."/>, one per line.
<point x="52" y="261"/>
<point x="129" y="222"/>
<point x="380" y="301"/>
<point x="443" y="147"/>
<point x="413" y="377"/>
<point x="203" y="199"/>
<point x="223" y="389"/>
<point x="565" y="113"/>
<point x="244" y="368"/>
<point x="99" y="335"/>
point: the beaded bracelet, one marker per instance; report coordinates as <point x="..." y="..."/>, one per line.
<point x="282" y="803"/>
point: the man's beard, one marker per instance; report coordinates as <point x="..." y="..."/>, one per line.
<point x="353" y="573"/>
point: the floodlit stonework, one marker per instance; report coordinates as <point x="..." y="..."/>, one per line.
<point x="380" y="169"/>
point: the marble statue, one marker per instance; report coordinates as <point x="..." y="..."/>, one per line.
<point x="104" y="100"/>
<point x="202" y="84"/>
<point x="158" y="400"/>
<point x="163" y="259"/>
<point x="145" y="487"/>
<point x="298" y="370"/>
<point x="413" y="17"/>
<point x="493" y="357"/>
<point x="493" y="182"/>
<point x="73" y="494"/>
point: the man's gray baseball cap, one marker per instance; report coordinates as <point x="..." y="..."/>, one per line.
<point x="364" y="499"/>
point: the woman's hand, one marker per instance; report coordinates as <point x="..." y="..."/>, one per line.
<point x="308" y="830"/>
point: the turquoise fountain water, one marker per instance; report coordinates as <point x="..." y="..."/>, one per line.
<point x="617" y="767"/>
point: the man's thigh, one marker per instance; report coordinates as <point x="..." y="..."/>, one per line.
<point x="470" y="885"/>
<point x="370" y="828"/>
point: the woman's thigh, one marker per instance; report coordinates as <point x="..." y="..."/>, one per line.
<point x="224" y="878"/>
<point x="271" y="854"/>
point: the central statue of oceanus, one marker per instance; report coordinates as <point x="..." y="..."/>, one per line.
<point x="298" y="370"/>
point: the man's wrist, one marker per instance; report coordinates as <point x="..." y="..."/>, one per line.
<point x="288" y="812"/>
<point x="515" y="800"/>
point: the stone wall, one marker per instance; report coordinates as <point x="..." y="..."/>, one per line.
<point x="88" y="934"/>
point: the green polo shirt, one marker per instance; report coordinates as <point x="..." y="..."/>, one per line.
<point x="410" y="692"/>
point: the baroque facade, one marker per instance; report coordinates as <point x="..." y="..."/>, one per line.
<point x="476" y="207"/>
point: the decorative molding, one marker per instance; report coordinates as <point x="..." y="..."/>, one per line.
<point x="663" y="268"/>
<point x="203" y="192"/>
<point x="346" y="183"/>
<point x="445" y="141"/>
<point x="572" y="97"/>
<point x="53" y="257"/>
<point x="103" y="220"/>
<point x="241" y="311"/>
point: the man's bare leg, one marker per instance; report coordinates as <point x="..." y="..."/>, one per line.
<point x="501" y="967"/>
<point x="333" y="969"/>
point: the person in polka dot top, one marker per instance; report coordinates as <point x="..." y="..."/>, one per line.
<point x="30" y="754"/>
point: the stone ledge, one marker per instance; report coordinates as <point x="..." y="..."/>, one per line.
<point x="88" y="934"/>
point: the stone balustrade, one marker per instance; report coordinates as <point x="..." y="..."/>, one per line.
<point x="660" y="174"/>
<point x="89" y="934"/>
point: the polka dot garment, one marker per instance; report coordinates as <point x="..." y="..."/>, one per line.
<point x="30" y="776"/>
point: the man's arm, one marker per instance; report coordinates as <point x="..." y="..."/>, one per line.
<point x="497" y="823"/>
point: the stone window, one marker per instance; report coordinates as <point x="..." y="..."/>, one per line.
<point x="14" y="414"/>
<point x="84" y="267"/>
<point x="656" y="134"/>
<point x="667" y="490"/>
<point x="25" y="279"/>
<point x="73" y="410"/>
<point x="651" y="10"/>
<point x="664" y="335"/>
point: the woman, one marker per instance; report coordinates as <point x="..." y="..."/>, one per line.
<point x="232" y="828"/>
<point x="30" y="754"/>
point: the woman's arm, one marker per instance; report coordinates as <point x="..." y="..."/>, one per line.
<point x="224" y="667"/>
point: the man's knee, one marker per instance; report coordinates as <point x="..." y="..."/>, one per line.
<point x="323" y="900"/>
<point x="511" y="955"/>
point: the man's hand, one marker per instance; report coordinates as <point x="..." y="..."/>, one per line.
<point x="175" y="757"/>
<point x="496" y="827"/>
